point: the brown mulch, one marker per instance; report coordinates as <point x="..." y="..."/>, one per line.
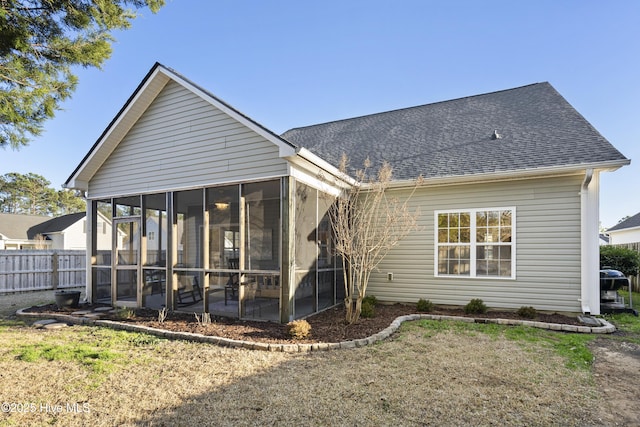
<point x="327" y="326"/>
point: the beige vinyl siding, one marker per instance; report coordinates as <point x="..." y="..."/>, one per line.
<point x="547" y="246"/>
<point x="182" y="141"/>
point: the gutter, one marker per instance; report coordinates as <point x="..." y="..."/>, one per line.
<point x="515" y="174"/>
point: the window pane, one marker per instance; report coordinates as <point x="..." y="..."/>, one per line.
<point x="464" y="268"/>
<point x="492" y="268"/>
<point x="126" y="285"/>
<point x="443" y="236"/>
<point x="481" y="219"/>
<point x="103" y="233"/>
<point x="505" y="268"/>
<point x="262" y="231"/>
<point x="306" y="247"/>
<point x="261" y="297"/>
<point x="156" y="224"/>
<point x="129" y="245"/>
<point x="454" y="220"/>
<point x="465" y="219"/>
<point x="128" y="206"/>
<point x="154" y="288"/>
<point x="505" y="252"/>
<point x="305" y="294"/>
<point x="505" y="234"/>
<point x="188" y="206"/>
<point x="101" y="277"/>
<point x="326" y="286"/>
<point x="493" y="234"/>
<point x="493" y="218"/>
<point x="443" y="220"/>
<point x="442" y="267"/>
<point x="325" y="234"/>
<point x="223" y="208"/>
<point x="505" y="218"/>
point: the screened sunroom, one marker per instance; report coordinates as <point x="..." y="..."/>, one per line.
<point x="211" y="212"/>
<point x="223" y="249"/>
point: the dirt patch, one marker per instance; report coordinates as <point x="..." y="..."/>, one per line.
<point x="9" y="303"/>
<point x="327" y="326"/>
<point x="616" y="371"/>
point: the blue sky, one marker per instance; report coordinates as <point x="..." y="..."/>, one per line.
<point x="291" y="63"/>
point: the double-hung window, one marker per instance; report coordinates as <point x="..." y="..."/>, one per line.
<point x="475" y="243"/>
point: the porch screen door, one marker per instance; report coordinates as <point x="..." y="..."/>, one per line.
<point x="126" y="291"/>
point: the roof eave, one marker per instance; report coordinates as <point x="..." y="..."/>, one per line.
<point x="135" y="106"/>
<point x="515" y="174"/>
<point x="625" y="229"/>
<point x="323" y="165"/>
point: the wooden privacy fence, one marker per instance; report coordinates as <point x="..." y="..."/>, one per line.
<point x="35" y="270"/>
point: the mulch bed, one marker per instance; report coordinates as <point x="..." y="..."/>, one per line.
<point x="327" y="326"/>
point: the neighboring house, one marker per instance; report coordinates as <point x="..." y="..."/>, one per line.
<point x="44" y="232"/>
<point x="627" y="231"/>
<point x="14" y="232"/>
<point x="509" y="203"/>
<point x="603" y="239"/>
<point x="62" y="232"/>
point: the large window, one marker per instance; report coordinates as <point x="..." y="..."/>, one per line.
<point x="476" y="243"/>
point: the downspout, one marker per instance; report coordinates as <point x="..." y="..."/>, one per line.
<point x="90" y="245"/>
<point x="589" y="256"/>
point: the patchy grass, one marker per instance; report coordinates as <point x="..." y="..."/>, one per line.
<point x="433" y="373"/>
<point x="572" y="347"/>
<point x="628" y="326"/>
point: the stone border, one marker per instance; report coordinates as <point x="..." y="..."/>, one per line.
<point x="605" y="328"/>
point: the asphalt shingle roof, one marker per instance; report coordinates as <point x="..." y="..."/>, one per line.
<point x="15" y="226"/>
<point x="631" y="222"/>
<point x="55" y="225"/>
<point x="538" y="128"/>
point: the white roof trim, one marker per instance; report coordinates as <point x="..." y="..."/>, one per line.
<point x="514" y="175"/>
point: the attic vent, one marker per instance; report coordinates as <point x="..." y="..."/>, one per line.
<point x="496" y="135"/>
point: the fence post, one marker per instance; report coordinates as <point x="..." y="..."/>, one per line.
<point x="55" y="278"/>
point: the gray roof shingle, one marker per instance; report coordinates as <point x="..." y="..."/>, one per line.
<point x="15" y="226"/>
<point x="538" y="128"/>
<point x="631" y="222"/>
<point x="55" y="225"/>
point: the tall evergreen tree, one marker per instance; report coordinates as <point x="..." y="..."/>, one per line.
<point x="40" y="42"/>
<point x="32" y="194"/>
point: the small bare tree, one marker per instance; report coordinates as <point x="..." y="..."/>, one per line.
<point x="40" y="241"/>
<point x="367" y="223"/>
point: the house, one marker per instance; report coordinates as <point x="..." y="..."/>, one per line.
<point x="509" y="203"/>
<point x="14" y="232"/>
<point x="63" y="232"/>
<point x="627" y="231"/>
<point x="44" y="232"/>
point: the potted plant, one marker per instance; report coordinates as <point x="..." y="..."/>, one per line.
<point x="66" y="299"/>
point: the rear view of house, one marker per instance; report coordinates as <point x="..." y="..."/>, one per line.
<point x="219" y="214"/>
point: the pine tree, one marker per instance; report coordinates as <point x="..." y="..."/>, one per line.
<point x="40" y="42"/>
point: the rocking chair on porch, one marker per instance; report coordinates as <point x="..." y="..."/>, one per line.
<point x="189" y="291"/>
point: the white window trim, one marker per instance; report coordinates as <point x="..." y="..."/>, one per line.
<point x="473" y="243"/>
